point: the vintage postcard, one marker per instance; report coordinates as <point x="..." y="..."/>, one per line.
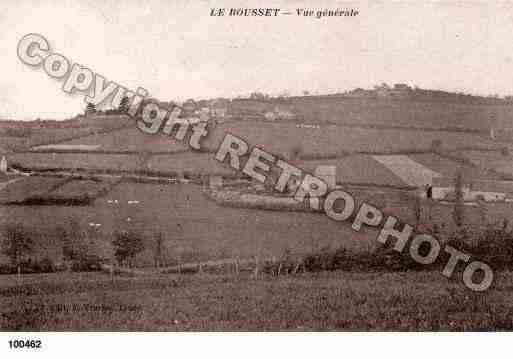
<point x="255" y="166"/>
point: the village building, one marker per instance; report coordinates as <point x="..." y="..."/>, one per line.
<point x="3" y="165"/>
<point x="361" y="93"/>
<point x="280" y="113"/>
<point x="443" y="188"/>
<point x="398" y="91"/>
<point x="501" y="134"/>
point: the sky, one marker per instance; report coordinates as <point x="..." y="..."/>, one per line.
<point x="176" y="50"/>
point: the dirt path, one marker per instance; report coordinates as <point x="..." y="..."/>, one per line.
<point x="5" y="184"/>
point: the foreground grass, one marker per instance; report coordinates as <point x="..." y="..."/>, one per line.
<point x="322" y="301"/>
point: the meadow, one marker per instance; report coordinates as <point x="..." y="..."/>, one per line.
<point x="357" y="169"/>
<point x="352" y="168"/>
<point x="131" y="140"/>
<point x="75" y="161"/>
<point x="389" y="113"/>
<point x="282" y="137"/>
<point x="29" y="187"/>
<point x="193" y="227"/>
<point x="22" y="135"/>
<point x="409" y="301"/>
<point x="491" y="160"/>
<point x="334" y="140"/>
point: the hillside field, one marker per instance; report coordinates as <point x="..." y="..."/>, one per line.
<point x="197" y="229"/>
<point x="194" y="228"/>
<point x="281" y="138"/>
<point x="490" y="160"/>
<point x="387" y="112"/>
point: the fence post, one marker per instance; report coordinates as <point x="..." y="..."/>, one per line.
<point x="296" y="270"/>
<point x="112" y="273"/>
<point x="255" y="273"/>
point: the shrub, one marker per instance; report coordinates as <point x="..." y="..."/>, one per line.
<point x="295" y="152"/>
<point x="285" y="264"/>
<point x="457" y="213"/>
<point x="87" y="263"/>
<point x="387" y="258"/>
<point x="495" y="246"/>
<point x="46" y="265"/>
<point x="127" y="245"/>
<point x="17" y="244"/>
<point x="328" y="259"/>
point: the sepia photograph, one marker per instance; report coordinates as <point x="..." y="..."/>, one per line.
<point x="266" y="166"/>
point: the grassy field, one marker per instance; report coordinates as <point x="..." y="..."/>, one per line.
<point x="21" y="135"/>
<point x="197" y="229"/>
<point x="132" y="150"/>
<point x="76" y="161"/>
<point x="450" y="168"/>
<point x="420" y="114"/>
<point x="79" y="187"/>
<point x="491" y="160"/>
<point x="357" y="169"/>
<point x="199" y="163"/>
<point x="179" y="163"/>
<point x="131" y="140"/>
<point x="194" y="228"/>
<point x="332" y="140"/>
<point x="410" y="301"/>
<point x="280" y="138"/>
<point x="47" y="190"/>
<point x="29" y="187"/>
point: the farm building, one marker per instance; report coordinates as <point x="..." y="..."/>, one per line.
<point x="279" y="113"/>
<point x="501" y="134"/>
<point x="398" y="91"/>
<point x="489" y="190"/>
<point x="3" y="165"/>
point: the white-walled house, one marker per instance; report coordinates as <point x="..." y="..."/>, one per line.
<point x="3" y="164"/>
<point x="501" y="134"/>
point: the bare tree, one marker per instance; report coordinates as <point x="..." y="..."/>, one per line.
<point x="73" y="241"/>
<point x="142" y="158"/>
<point x="457" y="213"/>
<point x="127" y="244"/>
<point x="295" y="152"/>
<point x="417" y="208"/>
<point x="159" y="242"/>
